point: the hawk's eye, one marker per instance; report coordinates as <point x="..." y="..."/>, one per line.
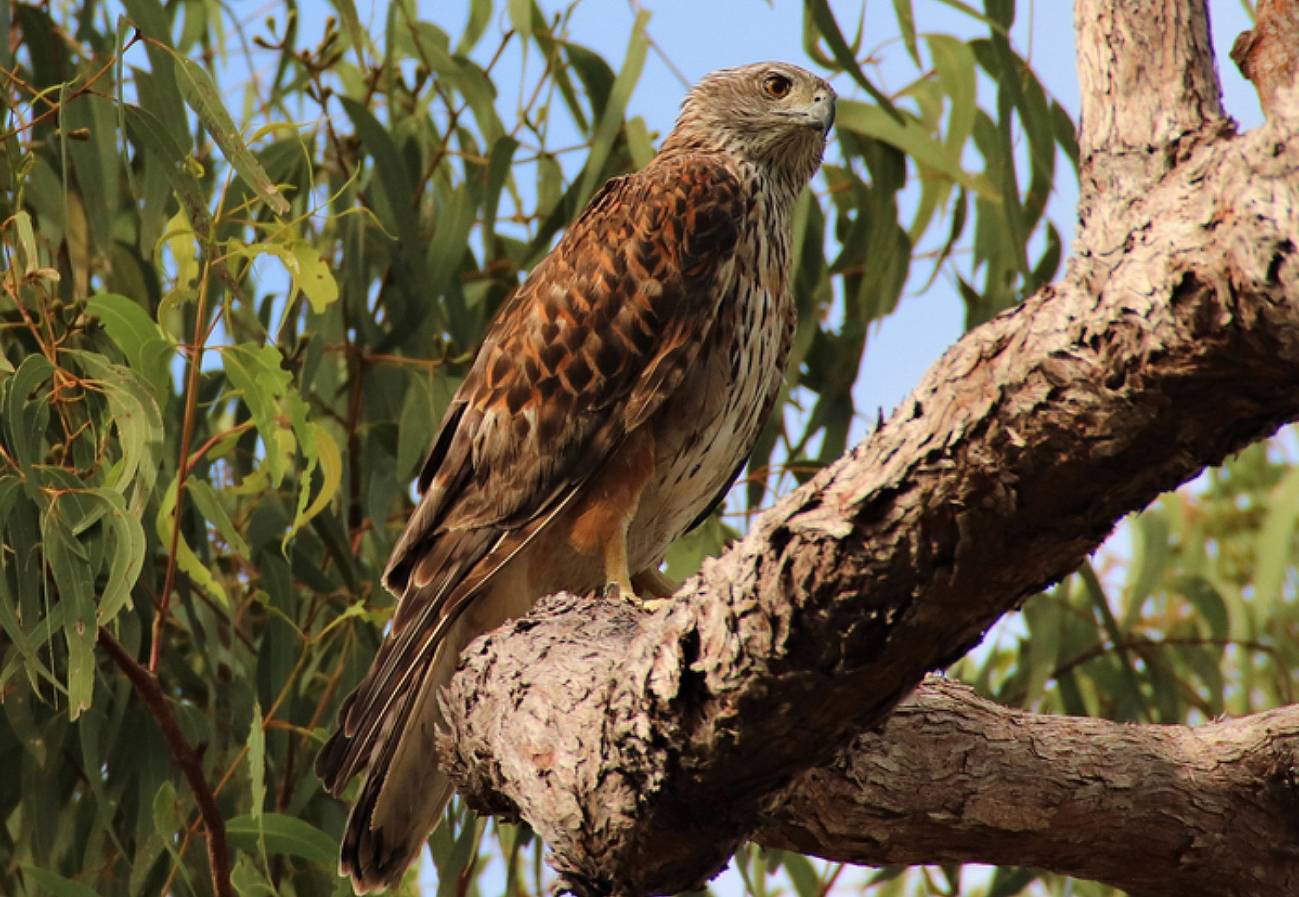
<point x="777" y="86"/>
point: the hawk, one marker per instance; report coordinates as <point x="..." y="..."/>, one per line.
<point x="613" y="402"/>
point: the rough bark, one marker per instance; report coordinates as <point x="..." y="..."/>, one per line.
<point x="644" y="748"/>
<point x="952" y="778"/>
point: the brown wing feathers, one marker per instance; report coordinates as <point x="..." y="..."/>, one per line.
<point x="608" y="322"/>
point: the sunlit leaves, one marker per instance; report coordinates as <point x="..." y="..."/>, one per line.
<point x="610" y="121"/>
<point x="322" y="453"/>
<point x="308" y="271"/>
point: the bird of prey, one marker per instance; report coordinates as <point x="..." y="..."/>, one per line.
<point x="614" y="400"/>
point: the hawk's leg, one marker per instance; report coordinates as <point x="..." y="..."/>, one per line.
<point x="617" y="579"/>
<point x="601" y="516"/>
<point x="619" y="584"/>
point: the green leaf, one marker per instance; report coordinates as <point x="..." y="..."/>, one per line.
<point x="307" y="269"/>
<point x="1008" y="882"/>
<point x="135" y="417"/>
<point x="248" y="880"/>
<point x="314" y="276"/>
<point x="257" y="763"/>
<point x="1275" y="539"/>
<point x="906" y="17"/>
<point x="283" y="834"/>
<point x="181" y="240"/>
<point x="320" y="450"/>
<point x="611" y="118"/>
<point x="911" y="138"/>
<point x="1209" y="602"/>
<point x="70" y="566"/>
<point x="1150" y="551"/>
<point x="1129" y="678"/>
<point x="127" y="560"/>
<point x="258" y="373"/>
<point x="27" y="645"/>
<point x="96" y="163"/>
<point x="392" y="199"/>
<point x="142" y="341"/>
<point x="450" y="240"/>
<point x="419" y="414"/>
<point x="56" y="885"/>
<point x="209" y="504"/>
<point x="954" y="63"/>
<point x="806" y="882"/>
<point x="203" y="97"/>
<point x="24" y="420"/>
<point x="29" y="258"/>
<point x="521" y="17"/>
<point x="461" y="855"/>
<point x="149" y="132"/>
<point x="186" y="559"/>
<point x="352" y="26"/>
<point x="843" y="54"/>
<point x="480" y="15"/>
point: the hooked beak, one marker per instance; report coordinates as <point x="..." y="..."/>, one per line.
<point x="822" y="112"/>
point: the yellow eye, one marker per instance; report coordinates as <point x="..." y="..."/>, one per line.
<point x="777" y="86"/>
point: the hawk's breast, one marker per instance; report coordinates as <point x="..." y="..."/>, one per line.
<point x="708" y="427"/>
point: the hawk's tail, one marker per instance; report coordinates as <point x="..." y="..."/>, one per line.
<point x="404" y="792"/>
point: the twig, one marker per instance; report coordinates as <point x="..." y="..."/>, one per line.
<point x="213" y="440"/>
<point x="182" y="469"/>
<point x="183" y="754"/>
<point x="80" y="91"/>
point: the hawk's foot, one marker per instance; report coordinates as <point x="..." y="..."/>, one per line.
<point x="615" y="591"/>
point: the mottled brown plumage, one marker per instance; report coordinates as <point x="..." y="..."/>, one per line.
<point x="614" y="400"/>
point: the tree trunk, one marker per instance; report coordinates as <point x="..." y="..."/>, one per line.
<point x="644" y="749"/>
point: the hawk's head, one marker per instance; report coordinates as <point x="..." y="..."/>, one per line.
<point x="771" y="114"/>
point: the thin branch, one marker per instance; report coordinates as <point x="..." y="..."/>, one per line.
<point x="185" y="756"/>
<point x="182" y="466"/>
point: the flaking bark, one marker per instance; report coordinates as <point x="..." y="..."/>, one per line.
<point x="1210" y="811"/>
<point x="643" y="749"/>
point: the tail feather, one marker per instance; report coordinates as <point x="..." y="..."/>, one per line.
<point x="387" y="726"/>
<point x="371" y="709"/>
<point x="404" y="792"/>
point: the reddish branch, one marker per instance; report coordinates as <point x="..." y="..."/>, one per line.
<point x="182" y="471"/>
<point x="185" y="756"/>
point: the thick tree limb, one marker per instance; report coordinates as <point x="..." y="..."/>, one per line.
<point x="1200" y="812"/>
<point x="643" y="749"/>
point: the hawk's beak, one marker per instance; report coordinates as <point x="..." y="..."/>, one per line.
<point x="822" y="112"/>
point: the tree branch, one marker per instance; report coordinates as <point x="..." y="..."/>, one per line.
<point x="1268" y="55"/>
<point x="644" y="749"/>
<point x="183" y="754"/>
<point x="1153" y="810"/>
